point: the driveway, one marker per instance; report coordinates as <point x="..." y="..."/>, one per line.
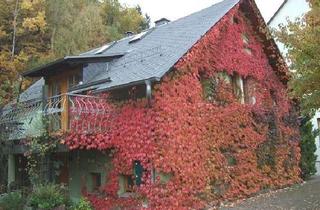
<point x="299" y="197"/>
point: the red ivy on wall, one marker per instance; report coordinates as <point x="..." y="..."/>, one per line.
<point x="212" y="151"/>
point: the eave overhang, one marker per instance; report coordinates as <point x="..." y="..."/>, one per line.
<point x="68" y="62"/>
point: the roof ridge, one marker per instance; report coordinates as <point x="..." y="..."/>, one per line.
<point x="200" y="11"/>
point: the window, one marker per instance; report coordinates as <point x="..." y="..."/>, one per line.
<point x="249" y="91"/>
<point x="318" y="120"/>
<point x="103" y="48"/>
<point x="138" y="36"/>
<point x="96" y="181"/>
<point x="75" y="80"/>
<point x="128" y="183"/>
<point x="55" y="89"/>
<point x="235" y="20"/>
<point x="238" y="87"/>
<point x="54" y="109"/>
<point x="243" y="89"/>
<point x="245" y="39"/>
<point x="135" y="179"/>
<point x="248" y="50"/>
<point x="209" y="85"/>
<point x="246" y="42"/>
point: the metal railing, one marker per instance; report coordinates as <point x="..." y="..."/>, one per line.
<point x="79" y="113"/>
<point x="20" y="120"/>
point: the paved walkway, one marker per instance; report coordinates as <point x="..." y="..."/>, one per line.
<point x="299" y="197"/>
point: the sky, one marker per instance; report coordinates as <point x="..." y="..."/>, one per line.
<point x="174" y="9"/>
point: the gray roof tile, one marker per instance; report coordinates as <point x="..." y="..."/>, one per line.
<point x="34" y="92"/>
<point x="155" y="54"/>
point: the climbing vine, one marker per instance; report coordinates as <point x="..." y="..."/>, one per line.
<point x="38" y="154"/>
<point x="211" y="150"/>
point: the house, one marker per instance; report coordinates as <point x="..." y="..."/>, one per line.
<point x="291" y="10"/>
<point x="187" y="113"/>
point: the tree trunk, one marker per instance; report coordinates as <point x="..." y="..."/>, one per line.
<point x="15" y="17"/>
<point x="52" y="38"/>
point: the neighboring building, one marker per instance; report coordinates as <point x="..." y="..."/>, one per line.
<point x="290" y="10"/>
<point x="316" y="125"/>
<point x="189" y="110"/>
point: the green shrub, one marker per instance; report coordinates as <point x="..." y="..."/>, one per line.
<point x="12" y="201"/>
<point x="308" y="149"/>
<point x="48" y="197"/>
<point x="82" y="205"/>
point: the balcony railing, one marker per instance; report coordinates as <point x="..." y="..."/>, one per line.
<point x="20" y="120"/>
<point x="78" y="113"/>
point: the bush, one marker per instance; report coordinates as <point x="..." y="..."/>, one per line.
<point x="82" y="205"/>
<point x="308" y="149"/>
<point x="12" y="201"/>
<point x="48" y="197"/>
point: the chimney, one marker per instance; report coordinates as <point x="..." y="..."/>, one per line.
<point x="129" y="33"/>
<point x="162" y="21"/>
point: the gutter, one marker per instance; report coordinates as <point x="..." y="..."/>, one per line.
<point x="140" y="82"/>
<point x="90" y="84"/>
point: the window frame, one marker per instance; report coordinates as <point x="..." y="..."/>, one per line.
<point x="96" y="179"/>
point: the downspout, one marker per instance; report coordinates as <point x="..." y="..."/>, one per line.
<point x="148" y="92"/>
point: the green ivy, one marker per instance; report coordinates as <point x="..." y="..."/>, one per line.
<point x="82" y="205"/>
<point x="39" y="149"/>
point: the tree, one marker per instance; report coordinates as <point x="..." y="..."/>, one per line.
<point x="145" y="24"/>
<point x="23" y="35"/>
<point x="302" y="39"/>
<point x="110" y="18"/>
<point x="308" y="149"/>
<point x="75" y="26"/>
<point x="121" y="18"/>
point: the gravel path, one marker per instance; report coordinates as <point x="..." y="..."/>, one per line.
<point x="299" y="197"/>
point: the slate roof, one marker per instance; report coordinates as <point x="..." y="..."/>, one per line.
<point x="158" y="50"/>
<point x="34" y="92"/>
<point x="155" y="54"/>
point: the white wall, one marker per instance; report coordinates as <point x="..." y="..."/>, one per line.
<point x="316" y="126"/>
<point x="292" y="10"/>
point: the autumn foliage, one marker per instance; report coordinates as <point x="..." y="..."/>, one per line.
<point x="213" y="150"/>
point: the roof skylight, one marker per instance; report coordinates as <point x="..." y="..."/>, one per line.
<point x="138" y="36"/>
<point x="102" y="49"/>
